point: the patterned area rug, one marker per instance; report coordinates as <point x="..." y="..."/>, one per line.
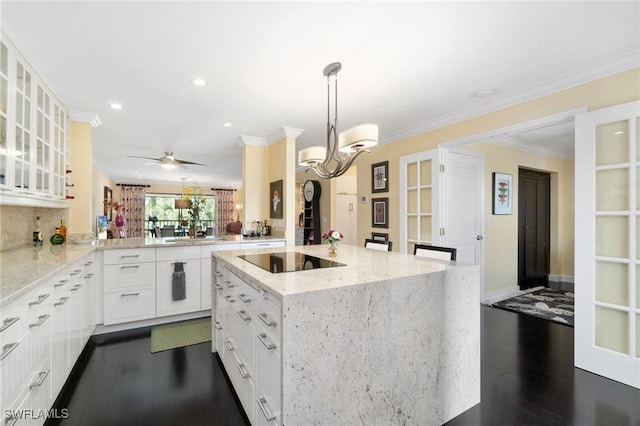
<point x="176" y="335"/>
<point x="547" y="303"/>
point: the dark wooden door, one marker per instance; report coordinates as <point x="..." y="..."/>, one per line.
<point x="534" y="230"/>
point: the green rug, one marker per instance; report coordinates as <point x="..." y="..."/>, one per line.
<point x="179" y="334"/>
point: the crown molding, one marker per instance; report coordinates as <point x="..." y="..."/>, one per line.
<point x="86" y="117"/>
<point x="616" y="65"/>
<point x="243" y="140"/>
<point x="512" y="142"/>
<point x="283" y="132"/>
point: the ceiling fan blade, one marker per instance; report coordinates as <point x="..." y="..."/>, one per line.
<point x="189" y="162"/>
<point x="147" y="158"/>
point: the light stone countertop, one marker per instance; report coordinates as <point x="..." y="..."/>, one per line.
<point x="25" y="268"/>
<point x="362" y="266"/>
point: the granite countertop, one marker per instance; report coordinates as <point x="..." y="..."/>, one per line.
<point x="362" y="266"/>
<point x="25" y="268"/>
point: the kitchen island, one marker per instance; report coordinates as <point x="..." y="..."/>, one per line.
<point x="383" y="338"/>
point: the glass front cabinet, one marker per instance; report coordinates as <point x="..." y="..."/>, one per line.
<point x="34" y="135"/>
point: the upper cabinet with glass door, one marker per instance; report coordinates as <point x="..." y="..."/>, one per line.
<point x="33" y="138"/>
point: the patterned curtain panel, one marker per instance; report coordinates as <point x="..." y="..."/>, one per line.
<point x="224" y="208"/>
<point x="133" y="199"/>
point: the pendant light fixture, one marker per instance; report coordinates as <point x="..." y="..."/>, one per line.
<point x="341" y="149"/>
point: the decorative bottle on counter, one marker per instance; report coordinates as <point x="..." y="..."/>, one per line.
<point x="62" y="229"/>
<point x="38" y="237"/>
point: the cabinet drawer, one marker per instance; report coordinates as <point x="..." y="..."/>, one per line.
<point x="261" y="244"/>
<point x="270" y="318"/>
<point x="164" y="288"/>
<point x="132" y="275"/>
<point x="112" y="257"/>
<point x="177" y="253"/>
<point x="128" y="306"/>
<point x="268" y="367"/>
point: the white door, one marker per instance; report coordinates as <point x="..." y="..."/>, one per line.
<point x="607" y="241"/>
<point x="463" y="196"/>
<point x="419" y="200"/>
<point x="346" y="215"/>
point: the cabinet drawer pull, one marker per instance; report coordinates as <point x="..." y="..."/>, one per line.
<point x="269" y="322"/>
<point x="42" y="376"/>
<point x="263" y="338"/>
<point x="229" y="284"/>
<point x="244" y="316"/>
<point x="88" y="263"/>
<point x="41" y="299"/>
<point x="129" y="266"/>
<point x="11" y="420"/>
<point x="5" y="189"/>
<point x="76" y="272"/>
<point x="219" y="287"/>
<point x="243" y="371"/>
<point x="60" y="283"/>
<point x="243" y="298"/>
<point x="219" y="275"/>
<point x="262" y="403"/>
<point x="76" y="287"/>
<point x="123" y="256"/>
<point x="218" y="325"/>
<point x="229" y="345"/>
<point x="7" y="349"/>
<point x="229" y="299"/>
<point x="184" y="263"/>
<point x="86" y="277"/>
<point x="137" y="293"/>
<point x="41" y="320"/>
<point x="60" y="302"/>
<point x="8" y="322"/>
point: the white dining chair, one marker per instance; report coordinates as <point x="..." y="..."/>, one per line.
<point x="435" y="252"/>
<point x="377" y="245"/>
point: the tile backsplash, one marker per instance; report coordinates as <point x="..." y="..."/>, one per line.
<point x="17" y="224"/>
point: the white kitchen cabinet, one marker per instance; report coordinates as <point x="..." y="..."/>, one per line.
<point x="34" y="135"/>
<point x="167" y="258"/>
<point x="129" y="285"/>
<point x="261" y="244"/>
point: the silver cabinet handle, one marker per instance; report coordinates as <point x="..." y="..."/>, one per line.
<point x="184" y="263"/>
<point x="137" y="293"/>
<point x="262" y="403"/>
<point x="244" y="316"/>
<point x="42" y="376"/>
<point x="229" y="345"/>
<point x="60" y="302"/>
<point x="229" y="284"/>
<point x="89" y="263"/>
<point x="11" y="420"/>
<point x="41" y="299"/>
<point x="243" y="371"/>
<point x="219" y="287"/>
<point x="76" y="287"/>
<point x="122" y="256"/>
<point x="41" y="320"/>
<point x="263" y="338"/>
<point x="75" y="272"/>
<point x="218" y="274"/>
<point x="8" y="322"/>
<point x="243" y="298"/>
<point x="60" y="283"/>
<point x="269" y="322"/>
<point x="218" y="325"/>
<point x="129" y="266"/>
<point x="86" y="277"/>
<point x="264" y="244"/>
<point x="7" y="349"/>
<point x="229" y="299"/>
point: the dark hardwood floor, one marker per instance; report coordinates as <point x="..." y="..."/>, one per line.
<point x="528" y="378"/>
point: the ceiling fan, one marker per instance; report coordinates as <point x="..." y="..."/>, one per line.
<point x="168" y="161"/>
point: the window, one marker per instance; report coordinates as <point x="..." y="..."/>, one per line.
<point x="160" y="211"/>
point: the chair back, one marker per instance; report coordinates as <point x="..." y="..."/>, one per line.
<point x="168" y="232"/>
<point x="435" y="252"/>
<point x="377" y="245"/>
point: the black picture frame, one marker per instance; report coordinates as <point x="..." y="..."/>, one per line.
<point x="380" y="177"/>
<point x="380" y="212"/>
<point x="276" y="199"/>
<point x="107" y="210"/>
<point x="380" y="236"/>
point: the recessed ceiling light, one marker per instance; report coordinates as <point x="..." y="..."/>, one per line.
<point x="115" y="106"/>
<point x="198" y="81"/>
<point x="227" y="124"/>
<point x="484" y="93"/>
<point x="619" y="132"/>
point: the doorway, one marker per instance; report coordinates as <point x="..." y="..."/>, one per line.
<point x="534" y="207"/>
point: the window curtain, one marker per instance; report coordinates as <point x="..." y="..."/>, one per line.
<point x="133" y="200"/>
<point x="224" y="208"/>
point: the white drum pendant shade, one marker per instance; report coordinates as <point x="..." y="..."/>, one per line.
<point x="359" y="137"/>
<point x="312" y="155"/>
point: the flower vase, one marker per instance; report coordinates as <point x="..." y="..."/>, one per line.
<point x="333" y="250"/>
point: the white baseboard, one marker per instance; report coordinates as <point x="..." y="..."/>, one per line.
<point x="102" y="329"/>
<point x="561" y="279"/>
<point x="505" y="293"/>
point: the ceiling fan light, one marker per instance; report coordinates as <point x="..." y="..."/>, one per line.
<point x="311" y="156"/>
<point x="359" y="137"/>
<point x="168" y="166"/>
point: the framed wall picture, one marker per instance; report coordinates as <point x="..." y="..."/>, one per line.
<point x="380" y="177"/>
<point x="275" y="199"/>
<point x="502" y="193"/>
<point x="108" y="196"/>
<point x="380" y="212"/>
<point x="379" y="236"/>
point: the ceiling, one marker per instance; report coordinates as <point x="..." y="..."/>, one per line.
<point x="408" y="67"/>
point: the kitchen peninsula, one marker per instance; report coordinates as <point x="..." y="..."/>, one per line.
<point x="380" y="338"/>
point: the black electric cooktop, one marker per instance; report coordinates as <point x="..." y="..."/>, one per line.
<point x="288" y="262"/>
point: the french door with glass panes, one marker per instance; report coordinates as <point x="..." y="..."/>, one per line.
<point x="607" y="241"/>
